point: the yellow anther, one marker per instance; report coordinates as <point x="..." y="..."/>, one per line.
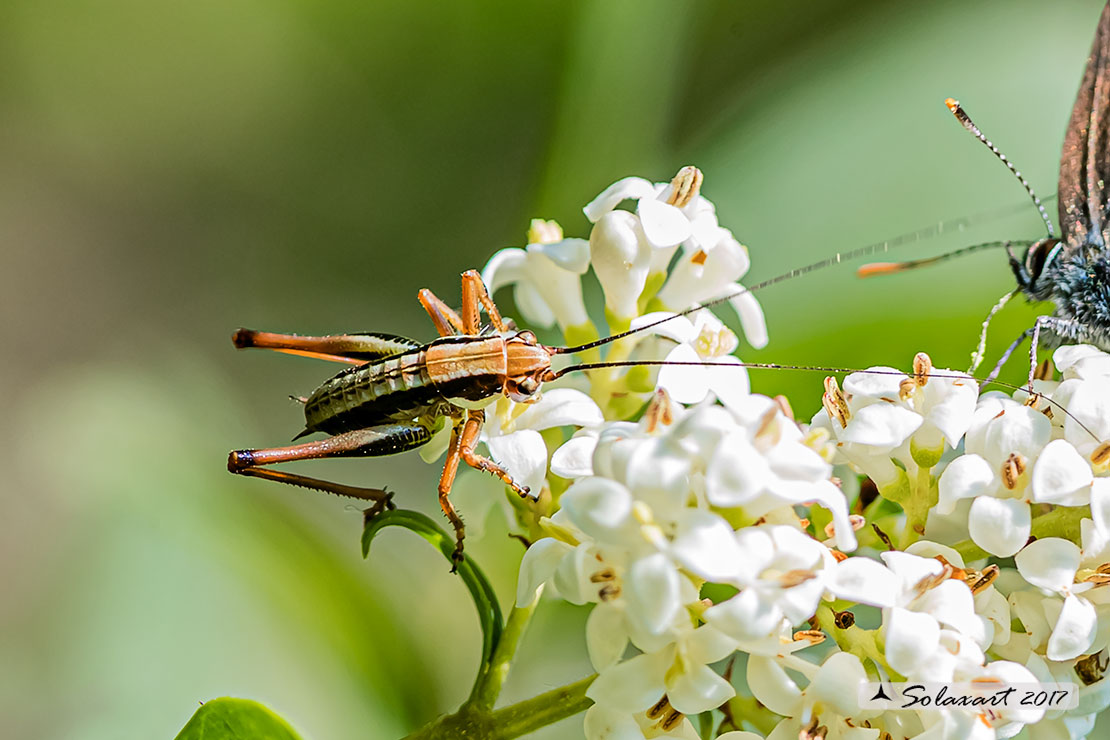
<point x="544" y="232"/>
<point x="1012" y="470"/>
<point x="1101" y="455"/>
<point x="687" y="185"/>
<point x="922" y="366"/>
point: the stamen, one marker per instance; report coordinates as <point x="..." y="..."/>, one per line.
<point x="1044" y="370"/>
<point x="922" y="366"/>
<point x="659" y="411"/>
<point x="784" y="405"/>
<point x="1012" y="470"/>
<point x="834" y="402"/>
<point x="671" y="721"/>
<point x="844" y="619"/>
<point x="659" y="708"/>
<point x="1101" y="455"/>
<point x="796" y="577"/>
<point x="544" y="232"/>
<point x="906" y="388"/>
<point x="686" y="185"/>
<point x="603" y="576"/>
<point x="813" y="637"/>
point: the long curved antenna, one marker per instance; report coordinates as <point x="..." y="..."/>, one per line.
<point x="885" y="268"/>
<point x="965" y="120"/>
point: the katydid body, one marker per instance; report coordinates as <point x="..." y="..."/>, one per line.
<point x="398" y="393"/>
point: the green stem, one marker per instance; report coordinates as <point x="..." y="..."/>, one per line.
<point x="488" y="685"/>
<point x="518" y="719"/>
<point x="539" y="711"/>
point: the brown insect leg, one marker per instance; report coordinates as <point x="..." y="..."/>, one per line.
<point x="443" y="316"/>
<point x="372" y="441"/>
<point x="469" y="440"/>
<point x="382" y="499"/>
<point x="474" y="294"/>
<point x="450" y="470"/>
<point x="352" y="349"/>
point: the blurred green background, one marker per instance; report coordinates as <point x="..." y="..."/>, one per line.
<point x="171" y="171"/>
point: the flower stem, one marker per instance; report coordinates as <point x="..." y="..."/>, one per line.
<point x="475" y="723"/>
<point x="488" y="685"/>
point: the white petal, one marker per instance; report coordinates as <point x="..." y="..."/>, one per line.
<point x="829" y="495"/>
<point x="606" y="638"/>
<point x="631" y="686"/>
<point x="737" y="472"/>
<point x="951" y="405"/>
<point x="865" y="581"/>
<point x="664" y="225"/>
<point x="837" y="682"/>
<point x="772" y="687"/>
<point x="707" y="645"/>
<point x="745" y="616"/>
<point x="537" y="566"/>
<point x="910" y="638"/>
<point x="569" y="254"/>
<point x="1100" y="505"/>
<point x="1089" y="407"/>
<point x="627" y="188"/>
<point x="1073" y="633"/>
<point x="1049" y="563"/>
<point x="685" y="383"/>
<point x="601" y="508"/>
<point x="879" y="381"/>
<point x="652" y="590"/>
<point x="999" y="526"/>
<point x="751" y="316"/>
<point x="951" y="603"/>
<point x="532" y="305"/>
<point x="728" y="379"/>
<point x="505" y="267"/>
<point x="706" y="545"/>
<point x="620" y="258"/>
<point x="698" y="689"/>
<point x="1061" y="475"/>
<point x="524" y="455"/>
<point x="574" y="459"/>
<point x="881" y="425"/>
<point x="968" y="476"/>
<point x="603" y="723"/>
<point x="677" y="328"/>
<point x="561" y="407"/>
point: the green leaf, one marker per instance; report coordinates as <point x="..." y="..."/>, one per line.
<point x="236" y="719"/>
<point x="485" y="600"/>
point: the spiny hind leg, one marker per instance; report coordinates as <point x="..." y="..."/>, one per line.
<point x="469" y="440"/>
<point x="371" y="442"/>
<point x="354" y="349"/>
<point x="474" y="298"/>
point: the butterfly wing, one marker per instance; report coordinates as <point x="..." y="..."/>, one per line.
<point x="1085" y="161"/>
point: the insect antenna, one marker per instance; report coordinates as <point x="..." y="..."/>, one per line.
<point x="965" y="120"/>
<point x="886" y="268"/>
<point x="877" y="248"/>
<point x="556" y="374"/>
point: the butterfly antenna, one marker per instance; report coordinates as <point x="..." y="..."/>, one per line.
<point x="965" y="121"/>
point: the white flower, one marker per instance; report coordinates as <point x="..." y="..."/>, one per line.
<point x="1002" y="444"/>
<point x="547" y="282"/>
<point x="706" y="339"/>
<point x="826" y="707"/>
<point x="1050" y="564"/>
<point x="917" y="597"/>
<point x="780" y="574"/>
<point x="512" y="431"/>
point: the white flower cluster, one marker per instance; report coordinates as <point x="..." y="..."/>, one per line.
<point x="735" y="586"/>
